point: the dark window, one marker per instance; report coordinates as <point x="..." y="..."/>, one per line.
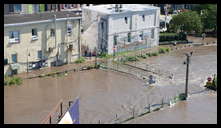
<point x="115" y="39"/>
<point x="152" y="33"/>
<point x="141" y="36"/>
<point x="14" y="37"/>
<point x="69" y="29"/>
<point x="143" y="17"/>
<point x="40" y="54"/>
<point x="34" y="32"/>
<point x="11" y="8"/>
<point x="5" y="61"/>
<point x="17" y="7"/>
<point x="102" y="25"/>
<point x="125" y="18"/>
<point x="52" y="32"/>
<point x="129" y="37"/>
<point x="14" y="58"/>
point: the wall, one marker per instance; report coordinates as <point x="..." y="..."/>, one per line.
<point x="26" y="44"/>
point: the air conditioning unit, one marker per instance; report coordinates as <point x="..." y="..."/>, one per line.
<point x="14" y="40"/>
<point x="34" y="37"/>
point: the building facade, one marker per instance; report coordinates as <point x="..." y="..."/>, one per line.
<point x="38" y="40"/>
<point x="38" y="8"/>
<point x="118" y="28"/>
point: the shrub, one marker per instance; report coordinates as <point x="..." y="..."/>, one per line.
<point x="162" y="50"/>
<point x="103" y="55"/>
<point x="154" y="54"/>
<point x="182" y="96"/>
<point x="12" y="80"/>
<point x="167" y="49"/>
<point x="80" y="60"/>
<point x="144" y="56"/>
<point x="131" y="58"/>
<point x="149" y="54"/>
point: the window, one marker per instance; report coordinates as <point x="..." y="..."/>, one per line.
<point x="39" y="54"/>
<point x="5" y="61"/>
<point x="17" y="8"/>
<point x="13" y="37"/>
<point x="141" y="36"/>
<point x="129" y="37"/>
<point x="69" y="29"/>
<point x="125" y="18"/>
<point x="52" y="32"/>
<point x="102" y="25"/>
<point x="152" y="33"/>
<point x="36" y="8"/>
<point x="14" y="7"/>
<point x="14" y="58"/>
<point x="115" y="39"/>
<point x="143" y="17"/>
<point x="34" y="32"/>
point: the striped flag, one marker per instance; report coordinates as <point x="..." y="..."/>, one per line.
<point x="72" y="115"/>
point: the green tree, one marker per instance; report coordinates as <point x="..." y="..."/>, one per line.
<point x="208" y="14"/>
<point x="187" y="22"/>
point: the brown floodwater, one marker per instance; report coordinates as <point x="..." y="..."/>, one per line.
<point x="199" y="109"/>
<point x="103" y="94"/>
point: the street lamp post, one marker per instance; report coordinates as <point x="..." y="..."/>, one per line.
<point x="187" y="72"/>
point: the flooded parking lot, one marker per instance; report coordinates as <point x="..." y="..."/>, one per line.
<point x="103" y="94"/>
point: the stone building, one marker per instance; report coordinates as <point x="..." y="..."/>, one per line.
<point x="38" y="40"/>
<point x="120" y="27"/>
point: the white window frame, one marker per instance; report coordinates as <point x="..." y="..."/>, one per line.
<point x="69" y="32"/>
<point x="34" y="37"/>
<point x="14" y="39"/>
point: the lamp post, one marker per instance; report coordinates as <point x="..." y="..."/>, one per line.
<point x="27" y="60"/>
<point x="188" y="55"/>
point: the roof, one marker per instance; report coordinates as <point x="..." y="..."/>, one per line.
<point x="22" y="18"/>
<point x="110" y="8"/>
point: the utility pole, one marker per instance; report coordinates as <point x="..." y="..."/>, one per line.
<point x="187" y="72"/>
<point x="79" y="38"/>
<point x="27" y="59"/>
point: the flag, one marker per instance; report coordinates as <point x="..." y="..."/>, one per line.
<point x="72" y="115"/>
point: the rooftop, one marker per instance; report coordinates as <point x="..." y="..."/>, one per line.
<point x="110" y="8"/>
<point x="21" y="18"/>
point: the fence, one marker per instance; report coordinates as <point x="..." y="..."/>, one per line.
<point x="55" y="115"/>
<point x="135" y="112"/>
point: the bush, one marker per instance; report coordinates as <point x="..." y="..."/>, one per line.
<point x="172" y="36"/>
<point x="131" y="58"/>
<point x="103" y="55"/>
<point x="162" y="50"/>
<point x="80" y="60"/>
<point x="167" y="49"/>
<point x="144" y="56"/>
<point x="154" y="54"/>
<point x="12" y="80"/>
<point x="182" y="96"/>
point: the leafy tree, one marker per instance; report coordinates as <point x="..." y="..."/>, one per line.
<point x="208" y="13"/>
<point x="186" y="22"/>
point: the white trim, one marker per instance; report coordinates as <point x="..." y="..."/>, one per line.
<point x="42" y="21"/>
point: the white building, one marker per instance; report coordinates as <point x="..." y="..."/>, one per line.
<point x="120" y="27"/>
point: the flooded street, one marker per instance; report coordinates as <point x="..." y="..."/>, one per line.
<point x="103" y="94"/>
